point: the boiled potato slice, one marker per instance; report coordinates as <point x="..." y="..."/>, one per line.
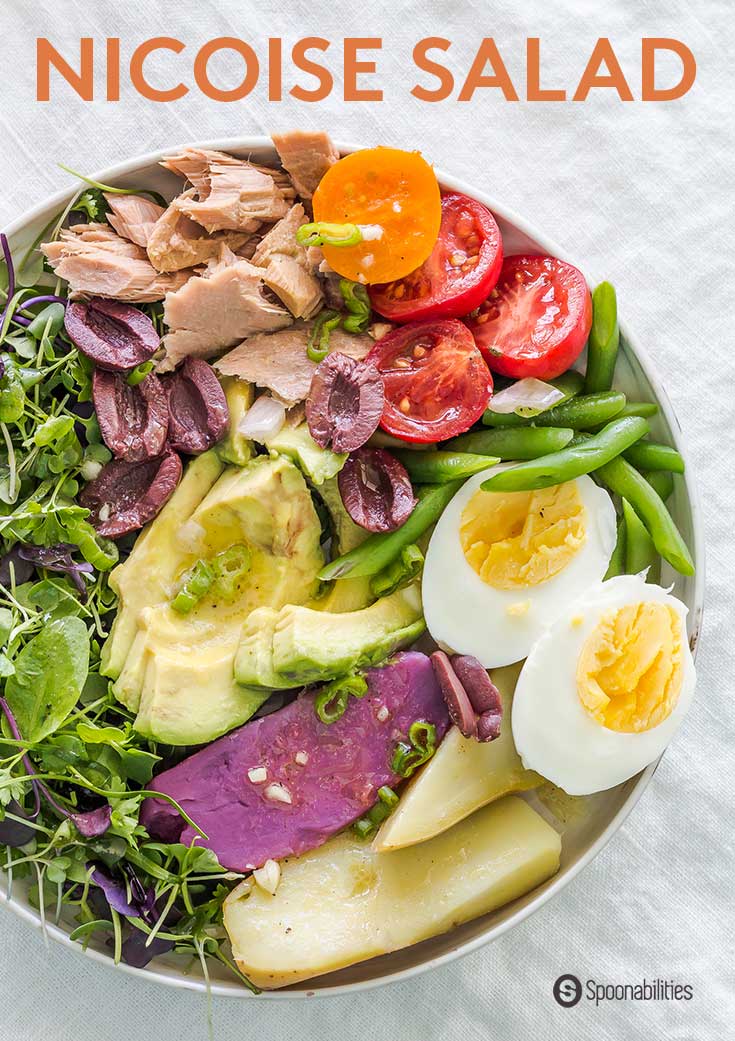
<point x="463" y="776"/>
<point x="344" y="903"/>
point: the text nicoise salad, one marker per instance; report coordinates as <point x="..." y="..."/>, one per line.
<point x="320" y="545"/>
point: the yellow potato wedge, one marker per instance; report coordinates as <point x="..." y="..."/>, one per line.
<point x="344" y="903"/>
<point x="463" y="776"/>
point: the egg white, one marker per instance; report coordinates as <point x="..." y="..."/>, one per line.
<point x="467" y="616"/>
<point x="553" y="732"/>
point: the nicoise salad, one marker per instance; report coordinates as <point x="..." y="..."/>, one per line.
<point x="325" y="551"/>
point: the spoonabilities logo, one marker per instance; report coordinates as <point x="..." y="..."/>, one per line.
<point x="567" y="991"/>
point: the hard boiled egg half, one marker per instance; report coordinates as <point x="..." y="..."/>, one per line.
<point x="502" y="566"/>
<point x="606" y="687"/>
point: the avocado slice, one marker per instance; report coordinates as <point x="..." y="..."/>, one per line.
<point x="295" y="442"/>
<point x="299" y="645"/>
<point x="178" y="672"/>
<point x="240" y="395"/>
<point x="145" y="578"/>
<point x="345" y="594"/>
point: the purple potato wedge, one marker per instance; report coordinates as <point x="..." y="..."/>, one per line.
<point x="319" y="778"/>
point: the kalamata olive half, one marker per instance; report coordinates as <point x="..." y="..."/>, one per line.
<point x="345" y="403"/>
<point x="458" y="704"/>
<point x="125" y="496"/>
<point x="114" y="335"/>
<point x="133" y="420"/>
<point x="376" y="490"/>
<point x="198" y="413"/>
<point x="482" y="692"/>
<point x="488" y="726"/>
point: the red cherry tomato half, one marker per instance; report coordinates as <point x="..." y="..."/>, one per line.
<point x="462" y="269"/>
<point x="436" y="382"/>
<point x="536" y="320"/>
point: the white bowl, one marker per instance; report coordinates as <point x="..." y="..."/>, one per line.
<point x="585" y="836"/>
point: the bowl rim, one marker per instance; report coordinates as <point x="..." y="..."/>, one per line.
<point x="560" y="881"/>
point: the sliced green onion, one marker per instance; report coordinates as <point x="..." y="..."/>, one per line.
<point x="357" y="303"/>
<point x="139" y="373"/>
<point x="388" y="796"/>
<point x="230" y="566"/>
<point x="196" y="584"/>
<point x="317" y="346"/>
<point x="322" y="233"/>
<point x="369" y="824"/>
<point x="420" y="747"/>
<point x="330" y="703"/>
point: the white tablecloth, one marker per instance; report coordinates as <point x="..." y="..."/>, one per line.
<point x="638" y="192"/>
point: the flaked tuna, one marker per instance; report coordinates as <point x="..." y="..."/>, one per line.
<point x="287" y="268"/>
<point x="217" y="309"/>
<point x="306" y="155"/>
<point x="133" y="216"/>
<point x="278" y="361"/>
<point x="229" y="194"/>
<point x="283" y="784"/>
<point x="176" y="241"/>
<point x="94" y="260"/>
<point x="294" y="286"/>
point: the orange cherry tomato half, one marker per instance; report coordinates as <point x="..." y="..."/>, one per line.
<point x="436" y="382"/>
<point x="536" y="320"/>
<point x="394" y="197"/>
<point x="463" y="267"/>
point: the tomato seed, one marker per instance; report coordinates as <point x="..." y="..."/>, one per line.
<point x="405" y="405"/>
<point x="419" y="351"/>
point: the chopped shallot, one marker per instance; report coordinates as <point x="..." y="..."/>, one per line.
<point x="263" y="419"/>
<point x="527" y="397"/>
<point x="268" y="876"/>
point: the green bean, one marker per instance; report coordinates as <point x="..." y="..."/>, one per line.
<point x="440" y="467"/>
<point x="647" y="455"/>
<point x="602" y="349"/>
<point x="662" y="481"/>
<point x="523" y="443"/>
<point x="580" y="413"/>
<point x="617" y="560"/>
<point x="640" y="552"/>
<point x="583" y="457"/>
<point x="377" y="551"/>
<point x="624" y="480"/>
<point x="644" y="409"/>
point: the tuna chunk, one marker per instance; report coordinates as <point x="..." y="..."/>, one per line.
<point x="229" y="194"/>
<point x="288" y="271"/>
<point x="176" y="241"/>
<point x="281" y="239"/>
<point x="215" y="310"/>
<point x="306" y="155"/>
<point x="133" y="216"/>
<point x="279" y="361"/>
<point x="296" y="287"/>
<point x="318" y="778"/>
<point x="94" y="260"/>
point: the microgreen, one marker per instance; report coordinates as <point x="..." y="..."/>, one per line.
<point x="73" y="772"/>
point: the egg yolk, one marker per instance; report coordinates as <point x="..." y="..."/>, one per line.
<point x="521" y="539"/>
<point x="630" y="671"/>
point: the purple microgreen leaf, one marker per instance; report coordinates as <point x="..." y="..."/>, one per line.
<point x="115" y="891"/>
<point x="59" y="558"/>
<point x="14" y="833"/>
<point x="93" y="823"/>
<point x="22" y="569"/>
